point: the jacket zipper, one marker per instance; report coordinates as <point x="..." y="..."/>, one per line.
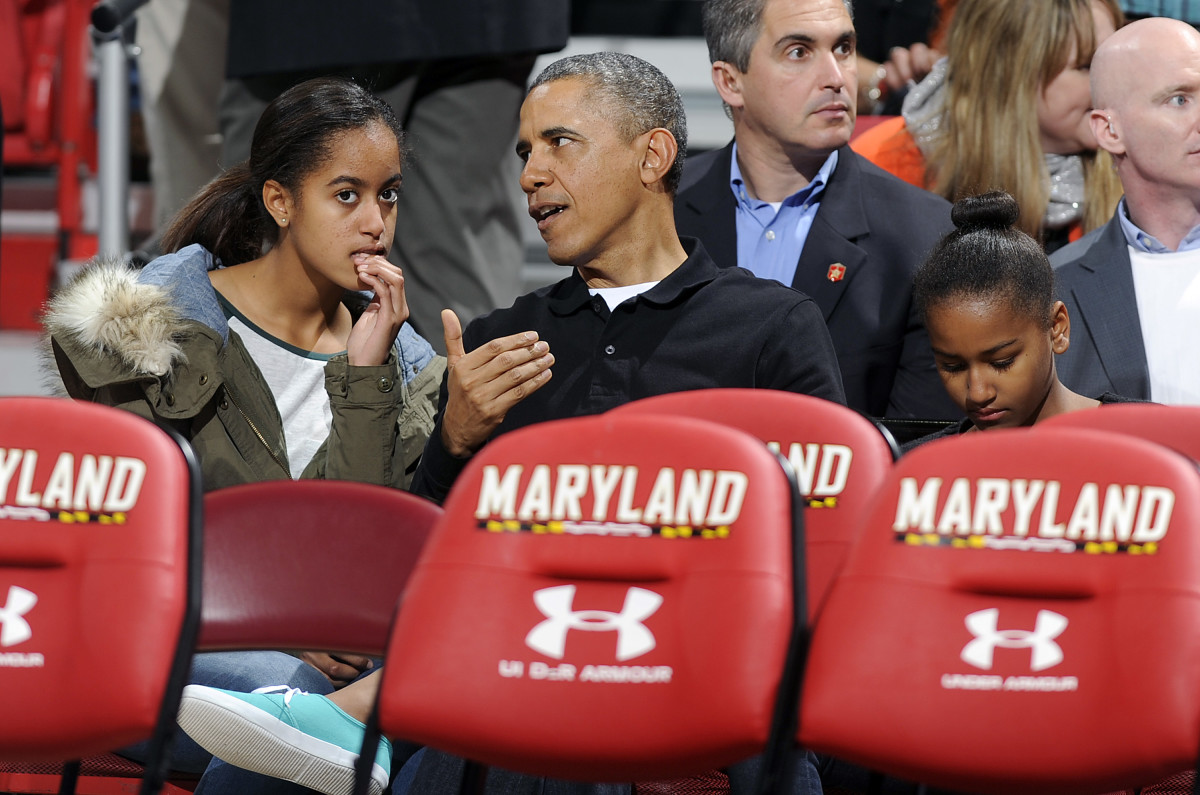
<point x="258" y="433"/>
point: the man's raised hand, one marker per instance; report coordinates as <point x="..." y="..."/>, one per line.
<point x="486" y="383"/>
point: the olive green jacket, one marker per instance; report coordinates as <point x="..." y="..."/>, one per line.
<point x="155" y="342"/>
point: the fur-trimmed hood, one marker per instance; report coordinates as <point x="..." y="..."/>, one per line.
<point x="106" y="310"/>
<point x="147" y="322"/>
<point x="115" y="324"/>
<point x="156" y="342"/>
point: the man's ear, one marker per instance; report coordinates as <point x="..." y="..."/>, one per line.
<point x="659" y="155"/>
<point x="727" y="79"/>
<point x="278" y="201"/>
<point x="1060" y="327"/>
<point x="1107" y="131"/>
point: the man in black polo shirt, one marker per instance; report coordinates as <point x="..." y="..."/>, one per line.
<point x="643" y="312"/>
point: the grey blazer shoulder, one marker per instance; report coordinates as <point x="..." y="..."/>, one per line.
<point x="880" y="229"/>
<point x="1094" y="278"/>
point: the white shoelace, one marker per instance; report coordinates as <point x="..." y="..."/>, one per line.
<point x="288" y="692"/>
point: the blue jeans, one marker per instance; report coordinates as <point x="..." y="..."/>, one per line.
<point x="430" y="771"/>
<point x="433" y="772"/>
<point x="803" y="778"/>
<point x="848" y="776"/>
<point x="241" y="671"/>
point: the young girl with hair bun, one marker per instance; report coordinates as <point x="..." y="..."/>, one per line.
<point x="986" y="294"/>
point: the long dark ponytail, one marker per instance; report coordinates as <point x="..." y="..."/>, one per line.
<point x="291" y="140"/>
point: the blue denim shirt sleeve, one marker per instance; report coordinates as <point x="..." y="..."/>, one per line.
<point x="413" y="352"/>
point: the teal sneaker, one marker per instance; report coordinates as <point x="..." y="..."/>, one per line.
<point x="282" y="732"/>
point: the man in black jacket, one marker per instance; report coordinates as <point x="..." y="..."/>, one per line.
<point x="789" y="200"/>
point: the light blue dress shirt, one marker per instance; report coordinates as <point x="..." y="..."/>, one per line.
<point x="769" y="240"/>
<point x="1149" y="244"/>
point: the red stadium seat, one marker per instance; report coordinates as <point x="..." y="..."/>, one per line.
<point x="377" y="533"/>
<point x="606" y="598"/>
<point x="839" y="456"/>
<point x="1177" y="427"/>
<point x="99" y="580"/>
<point x="1021" y="614"/>
<point x="49" y="131"/>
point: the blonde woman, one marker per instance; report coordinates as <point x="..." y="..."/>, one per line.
<point x="1007" y="109"/>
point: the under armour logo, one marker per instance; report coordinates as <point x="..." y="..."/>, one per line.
<point x="633" y="638"/>
<point x="1046" y="653"/>
<point x="14" y="628"/>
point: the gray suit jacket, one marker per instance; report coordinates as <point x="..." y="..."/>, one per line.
<point x="1094" y="279"/>
<point x="880" y="228"/>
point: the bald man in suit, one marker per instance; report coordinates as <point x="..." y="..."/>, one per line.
<point x="1132" y="287"/>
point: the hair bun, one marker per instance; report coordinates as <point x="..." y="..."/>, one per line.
<point x="992" y="210"/>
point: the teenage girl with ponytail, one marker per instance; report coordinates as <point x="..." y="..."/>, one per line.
<point x="272" y="335"/>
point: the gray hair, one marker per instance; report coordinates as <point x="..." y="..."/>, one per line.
<point x="640" y="96"/>
<point x="732" y="26"/>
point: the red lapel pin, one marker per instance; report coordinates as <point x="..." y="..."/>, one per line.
<point x="836" y="272"/>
